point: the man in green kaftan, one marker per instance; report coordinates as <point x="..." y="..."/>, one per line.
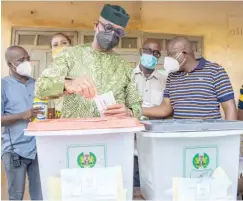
<point x="83" y="71"/>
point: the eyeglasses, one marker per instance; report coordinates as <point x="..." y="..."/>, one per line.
<point x="109" y="28"/>
<point x="155" y="53"/>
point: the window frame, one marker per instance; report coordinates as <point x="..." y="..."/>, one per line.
<point x="164" y="36"/>
<point x="16" y="32"/>
<point x="118" y="48"/>
<point x="78" y="38"/>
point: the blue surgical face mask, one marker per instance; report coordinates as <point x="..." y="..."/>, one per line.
<point x="149" y="61"/>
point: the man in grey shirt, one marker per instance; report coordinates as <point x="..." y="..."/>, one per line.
<point x="19" y="151"/>
<point x="150" y="82"/>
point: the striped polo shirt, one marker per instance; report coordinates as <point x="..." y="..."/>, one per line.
<point x="240" y="106"/>
<point x="198" y="94"/>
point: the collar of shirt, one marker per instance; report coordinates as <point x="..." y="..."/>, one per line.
<point x="201" y="63"/>
<point x="155" y="74"/>
<point x="30" y="80"/>
<point x="200" y="66"/>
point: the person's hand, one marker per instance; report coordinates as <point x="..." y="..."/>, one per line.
<point x="32" y="113"/>
<point x="118" y="110"/>
<point x="83" y="86"/>
<point x="66" y="93"/>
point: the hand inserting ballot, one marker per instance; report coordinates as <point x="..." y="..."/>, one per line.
<point x="83" y="86"/>
<point x="118" y="110"/>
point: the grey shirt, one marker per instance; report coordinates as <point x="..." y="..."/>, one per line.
<point x="152" y="88"/>
<point x="17" y="98"/>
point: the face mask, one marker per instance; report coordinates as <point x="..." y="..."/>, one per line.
<point x="171" y="65"/>
<point x="24" y="69"/>
<point x="149" y="61"/>
<point x="56" y="51"/>
<point x="107" y="40"/>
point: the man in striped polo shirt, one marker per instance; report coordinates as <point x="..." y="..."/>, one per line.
<point x="196" y="90"/>
<point x="240" y="106"/>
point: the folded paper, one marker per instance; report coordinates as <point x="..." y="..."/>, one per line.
<point x="92" y="184"/>
<point x="103" y="101"/>
<point x="206" y="188"/>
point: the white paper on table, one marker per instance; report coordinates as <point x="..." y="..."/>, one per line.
<point x="91" y="183"/>
<point x="194" y="189"/>
<point x="104" y="100"/>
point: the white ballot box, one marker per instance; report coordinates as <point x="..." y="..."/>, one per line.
<point x="85" y="143"/>
<point x="186" y="149"/>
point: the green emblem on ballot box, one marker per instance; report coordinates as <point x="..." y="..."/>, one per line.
<point x="86" y="160"/>
<point x="201" y="161"/>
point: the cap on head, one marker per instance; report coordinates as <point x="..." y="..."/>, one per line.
<point x="115" y="14"/>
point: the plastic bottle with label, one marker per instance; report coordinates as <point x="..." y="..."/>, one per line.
<point x="43" y="104"/>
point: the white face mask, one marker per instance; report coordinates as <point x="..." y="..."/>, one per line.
<point x="24" y="69"/>
<point x="171" y="65"/>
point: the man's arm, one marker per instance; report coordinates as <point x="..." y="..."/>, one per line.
<point x="225" y="94"/>
<point x="165" y="109"/>
<point x="51" y="81"/>
<point x="25" y="116"/>
<point x="240" y="105"/>
<point x="10" y="119"/>
<point x="229" y="108"/>
<point x="240" y="114"/>
<point x="162" y="111"/>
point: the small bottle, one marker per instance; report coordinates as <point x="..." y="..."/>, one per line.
<point x="43" y="104"/>
<point x="51" y="109"/>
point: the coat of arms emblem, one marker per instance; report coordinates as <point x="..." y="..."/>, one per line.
<point x="200" y="161"/>
<point x="86" y="160"/>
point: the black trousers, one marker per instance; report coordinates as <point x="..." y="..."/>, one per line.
<point x="136" y="179"/>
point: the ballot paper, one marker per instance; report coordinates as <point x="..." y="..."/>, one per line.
<point x="103" y="101"/>
<point x="92" y="184"/>
<point x="195" y="189"/>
